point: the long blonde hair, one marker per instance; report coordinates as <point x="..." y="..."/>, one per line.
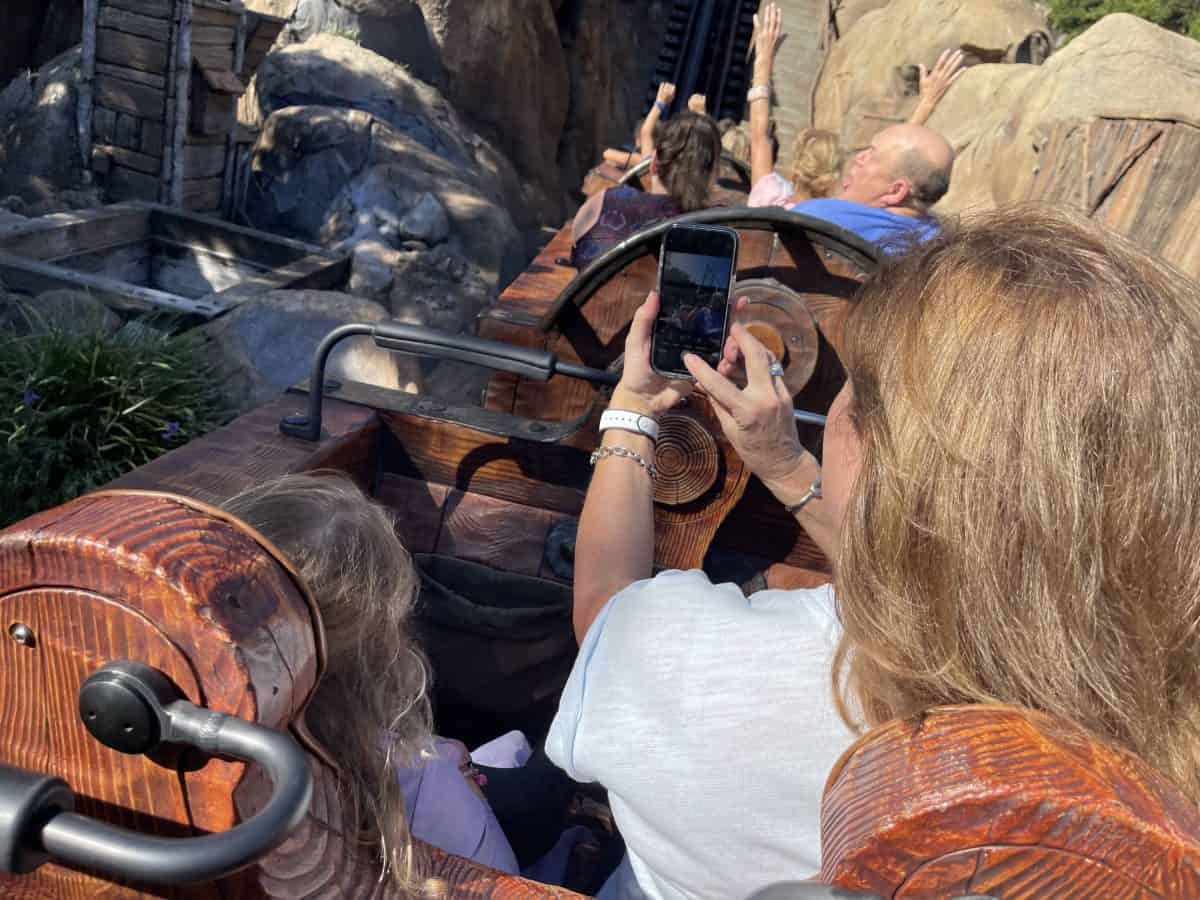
<point x="1025" y="526"/>
<point x="371" y="708"/>
<point x="816" y="162"/>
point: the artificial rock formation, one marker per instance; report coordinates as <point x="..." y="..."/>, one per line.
<point x="39" y="144"/>
<point x="342" y="176"/>
<point x="870" y="78"/>
<point x="265" y="345"/>
<point x="1092" y="129"/>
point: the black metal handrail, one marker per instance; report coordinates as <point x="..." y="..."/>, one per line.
<point x="133" y="708"/>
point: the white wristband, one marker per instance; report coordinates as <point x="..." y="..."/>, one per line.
<point x="761" y="92"/>
<point x="623" y="420"/>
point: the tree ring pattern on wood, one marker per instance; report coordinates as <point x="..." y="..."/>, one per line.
<point x="687" y="459"/>
<point x="779" y="317"/>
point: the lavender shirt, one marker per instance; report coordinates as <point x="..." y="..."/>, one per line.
<point x="446" y="811"/>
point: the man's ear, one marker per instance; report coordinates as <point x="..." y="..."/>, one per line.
<point x="899" y="192"/>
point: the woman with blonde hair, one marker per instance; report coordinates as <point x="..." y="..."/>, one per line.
<point x="1008" y="499"/>
<point x="371" y="708"/>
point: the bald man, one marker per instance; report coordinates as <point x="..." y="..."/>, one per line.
<point x="889" y="186"/>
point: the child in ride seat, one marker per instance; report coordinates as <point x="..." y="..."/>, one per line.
<point x="371" y="708"/>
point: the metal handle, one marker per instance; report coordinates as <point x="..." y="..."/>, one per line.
<point x="401" y="338"/>
<point x="134" y="709"/>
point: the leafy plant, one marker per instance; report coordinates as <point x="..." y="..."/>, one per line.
<point x="78" y="410"/>
<point x="1072" y="16"/>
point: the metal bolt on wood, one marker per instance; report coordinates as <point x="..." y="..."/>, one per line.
<point x="22" y="634"/>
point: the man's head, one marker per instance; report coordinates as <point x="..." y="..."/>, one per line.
<point x="906" y="168"/>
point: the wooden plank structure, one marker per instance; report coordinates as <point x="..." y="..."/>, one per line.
<point x="158" y="96"/>
<point x="1137" y="176"/>
<point x="146" y="256"/>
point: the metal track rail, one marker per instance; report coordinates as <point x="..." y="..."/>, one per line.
<point x="705" y="51"/>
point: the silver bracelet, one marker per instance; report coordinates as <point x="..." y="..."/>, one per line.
<point x="813" y="493"/>
<point x="625" y="453"/>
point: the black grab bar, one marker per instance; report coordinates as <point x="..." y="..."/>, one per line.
<point x="540" y="365"/>
<point x="133" y="708"/>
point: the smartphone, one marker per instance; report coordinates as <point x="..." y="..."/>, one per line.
<point x="695" y="277"/>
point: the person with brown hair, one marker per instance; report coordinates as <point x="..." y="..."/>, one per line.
<point x="915" y="156"/>
<point x="685" y="162"/>
<point x="1008" y="500"/>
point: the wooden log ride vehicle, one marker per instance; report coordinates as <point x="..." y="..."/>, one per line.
<point x="142" y="619"/>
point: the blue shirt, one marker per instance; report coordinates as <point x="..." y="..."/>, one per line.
<point x="888" y="231"/>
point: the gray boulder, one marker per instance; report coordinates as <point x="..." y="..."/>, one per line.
<point x="264" y="346"/>
<point x="39" y="145"/>
<point x="332" y="71"/>
<point x="341" y="177"/>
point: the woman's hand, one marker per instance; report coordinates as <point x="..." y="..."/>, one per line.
<point x="642" y="389"/>
<point x="666" y="93"/>
<point x="934" y="84"/>
<point x="757" y="421"/>
<point x="768" y="35"/>
<point x="698" y="103"/>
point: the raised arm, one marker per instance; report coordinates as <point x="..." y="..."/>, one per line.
<point x="698" y="103"/>
<point x="666" y="93"/>
<point x="768" y="33"/>
<point x="935" y="84"/>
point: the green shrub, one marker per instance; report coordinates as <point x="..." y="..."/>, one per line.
<point x="1072" y="16"/>
<point x="78" y="410"/>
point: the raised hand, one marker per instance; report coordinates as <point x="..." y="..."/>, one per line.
<point x="698" y="103"/>
<point x="945" y="72"/>
<point x="666" y="93"/>
<point x="768" y="32"/>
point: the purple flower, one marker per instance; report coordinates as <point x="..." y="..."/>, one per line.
<point x="30" y="397"/>
<point x="173" y="431"/>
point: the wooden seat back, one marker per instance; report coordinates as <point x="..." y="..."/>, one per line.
<point x="1008" y="803"/>
<point x="196" y="594"/>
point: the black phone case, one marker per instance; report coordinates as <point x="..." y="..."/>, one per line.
<point x="721" y="229"/>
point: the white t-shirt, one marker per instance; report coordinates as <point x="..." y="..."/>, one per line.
<point x="709" y="718"/>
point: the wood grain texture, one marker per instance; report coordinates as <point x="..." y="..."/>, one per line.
<point x="1004" y="801"/>
<point x="148" y="578"/>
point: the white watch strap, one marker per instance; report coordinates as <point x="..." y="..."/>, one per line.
<point x="624" y="420"/>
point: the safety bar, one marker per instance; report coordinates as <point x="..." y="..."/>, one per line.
<point x="134" y="709"/>
<point x="540" y="365"/>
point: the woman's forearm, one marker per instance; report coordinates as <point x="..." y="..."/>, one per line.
<point x="615" y="546"/>
<point x="762" y="158"/>
<point x="813" y="518"/>
<point x="646" y="135"/>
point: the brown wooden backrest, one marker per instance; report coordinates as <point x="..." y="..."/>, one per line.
<point x="196" y="594"/>
<point x="1002" y="801"/>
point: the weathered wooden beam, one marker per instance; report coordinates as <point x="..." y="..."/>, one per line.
<point x="202" y="194"/>
<point x="177" y="119"/>
<point x="153" y="27"/>
<point x="86" y="108"/>
<point x="127" y="96"/>
<point x="205" y="160"/>
<point x="127" y="184"/>
<point x="66" y="234"/>
<point x="123" y="72"/>
<point x="131" y="159"/>
<point x="130" y="51"/>
<point x="310" y="273"/>
<point x="233" y="240"/>
<point x="157" y="9"/>
<point x="32" y="276"/>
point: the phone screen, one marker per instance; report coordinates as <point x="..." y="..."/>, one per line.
<point x="694" y="278"/>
